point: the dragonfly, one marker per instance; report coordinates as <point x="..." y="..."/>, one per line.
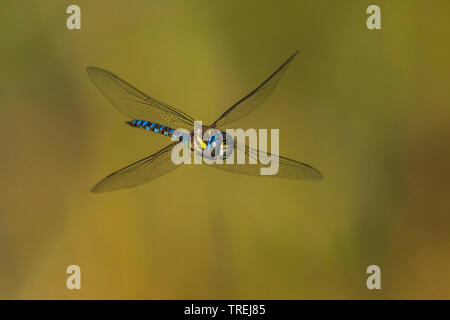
<point x="156" y="116"/>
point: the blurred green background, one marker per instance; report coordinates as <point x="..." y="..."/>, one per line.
<point x="370" y="109"/>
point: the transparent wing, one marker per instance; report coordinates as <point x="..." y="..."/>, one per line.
<point x="136" y="104"/>
<point x="288" y="168"/>
<point x="139" y="172"/>
<point x="251" y="101"/>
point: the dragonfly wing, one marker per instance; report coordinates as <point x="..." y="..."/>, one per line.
<point x="136" y="104"/>
<point x="254" y="99"/>
<point x="288" y="168"/>
<point x="139" y="172"/>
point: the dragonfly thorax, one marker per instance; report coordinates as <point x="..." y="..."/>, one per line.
<point x="211" y="143"/>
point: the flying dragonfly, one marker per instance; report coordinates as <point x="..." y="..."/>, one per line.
<point x="158" y="117"/>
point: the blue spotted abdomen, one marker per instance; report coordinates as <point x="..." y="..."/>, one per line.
<point x="155" y="127"/>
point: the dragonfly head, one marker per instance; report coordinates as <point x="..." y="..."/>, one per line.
<point x="212" y="143"/>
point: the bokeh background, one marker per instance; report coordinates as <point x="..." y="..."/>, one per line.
<point x="370" y="109"/>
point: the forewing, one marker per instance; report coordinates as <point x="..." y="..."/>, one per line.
<point x="254" y="99"/>
<point x="288" y="168"/>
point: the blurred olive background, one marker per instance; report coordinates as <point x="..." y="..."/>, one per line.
<point x="370" y="109"/>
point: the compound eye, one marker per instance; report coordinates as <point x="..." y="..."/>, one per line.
<point x="212" y="142"/>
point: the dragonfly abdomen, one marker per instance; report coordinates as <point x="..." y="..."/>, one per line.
<point x="152" y="126"/>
